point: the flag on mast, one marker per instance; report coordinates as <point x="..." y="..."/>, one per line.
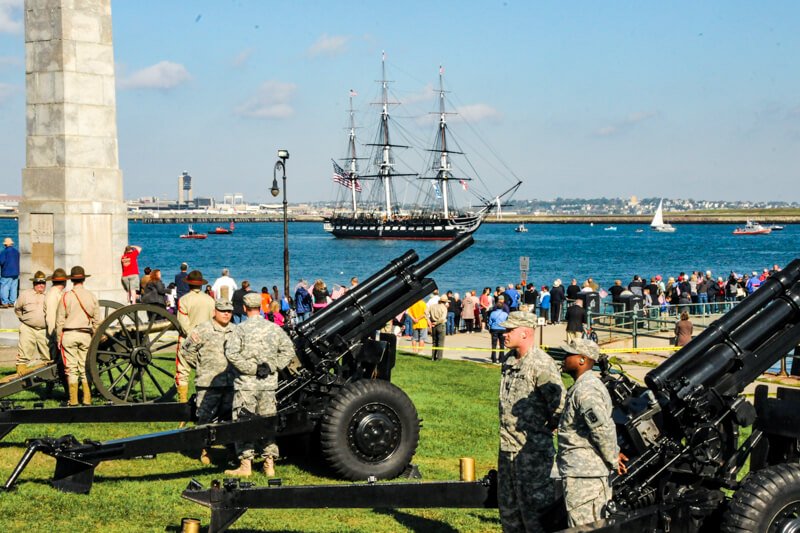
<point x="344" y="178"/>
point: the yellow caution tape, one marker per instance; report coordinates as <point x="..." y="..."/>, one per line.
<point x="9" y="330"/>
<point x="546" y="347"/>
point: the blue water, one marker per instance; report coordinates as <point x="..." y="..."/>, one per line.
<point x="255" y="252"/>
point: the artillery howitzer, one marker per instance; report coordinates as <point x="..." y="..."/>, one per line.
<point x="681" y="433"/>
<point x="340" y="385"/>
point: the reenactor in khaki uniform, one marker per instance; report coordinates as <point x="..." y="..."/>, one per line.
<point x="77" y="318"/>
<point x="531" y="400"/>
<point x="194" y="308"/>
<point x="257" y="349"/>
<point x="51" y="299"/>
<point x="33" y="352"/>
<point x="204" y="350"/>
<point x="587" y="438"/>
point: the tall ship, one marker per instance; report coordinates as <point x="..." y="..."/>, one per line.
<point x="378" y="214"/>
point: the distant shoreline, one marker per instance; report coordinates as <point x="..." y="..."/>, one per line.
<point x="788" y="216"/>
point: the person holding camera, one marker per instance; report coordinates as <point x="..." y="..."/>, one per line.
<point x="257" y="349"/>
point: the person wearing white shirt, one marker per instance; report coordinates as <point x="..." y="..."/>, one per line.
<point x="224" y="286"/>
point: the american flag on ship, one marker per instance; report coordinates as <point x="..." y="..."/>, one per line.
<point x="344" y="178"/>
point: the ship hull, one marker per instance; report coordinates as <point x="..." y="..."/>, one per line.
<point x="416" y="229"/>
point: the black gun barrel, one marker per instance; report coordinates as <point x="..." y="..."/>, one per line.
<point x="359" y="291"/>
<point x="659" y="378"/>
<point x="372" y="310"/>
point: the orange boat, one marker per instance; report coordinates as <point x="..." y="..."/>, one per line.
<point x="192" y="234"/>
<point x="219" y="230"/>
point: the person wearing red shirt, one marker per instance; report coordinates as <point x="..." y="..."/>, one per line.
<point x="130" y="271"/>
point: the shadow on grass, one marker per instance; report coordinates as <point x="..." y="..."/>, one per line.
<point x="416" y="523"/>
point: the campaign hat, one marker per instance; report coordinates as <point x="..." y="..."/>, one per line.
<point x="39" y="277"/>
<point x="59" y="274"/>
<point x="584" y="347"/>
<point x="195" y="277"/>
<point x="77" y="273"/>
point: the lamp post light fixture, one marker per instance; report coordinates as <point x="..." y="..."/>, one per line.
<point x="283" y="155"/>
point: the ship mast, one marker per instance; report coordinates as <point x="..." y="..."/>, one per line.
<point x="444" y="164"/>
<point x="352" y="152"/>
<point x="386" y="152"/>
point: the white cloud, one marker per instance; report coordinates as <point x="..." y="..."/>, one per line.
<point x="329" y="45"/>
<point x="10" y="61"/>
<point x="242" y="57"/>
<point x="625" y="124"/>
<point x="164" y="75"/>
<point x="271" y="101"/>
<point x="6" y="92"/>
<point x="477" y="113"/>
<point x="11" y="16"/>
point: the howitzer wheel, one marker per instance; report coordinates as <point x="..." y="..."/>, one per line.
<point x="768" y="501"/>
<point x="370" y="428"/>
<point x="132" y="355"/>
<point x="107" y="307"/>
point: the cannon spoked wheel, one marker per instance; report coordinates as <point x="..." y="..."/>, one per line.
<point x="370" y="428"/>
<point x="108" y="306"/>
<point x="132" y="355"/>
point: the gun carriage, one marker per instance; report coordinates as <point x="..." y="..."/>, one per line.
<point x="339" y="385"/>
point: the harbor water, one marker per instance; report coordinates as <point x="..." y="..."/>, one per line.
<point x="255" y="252"/>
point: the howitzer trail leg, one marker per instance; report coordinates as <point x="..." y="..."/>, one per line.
<point x="73" y="475"/>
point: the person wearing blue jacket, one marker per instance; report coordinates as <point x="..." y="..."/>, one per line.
<point x="303" y="301"/>
<point x="9" y="273"/>
<point x="498" y="315"/>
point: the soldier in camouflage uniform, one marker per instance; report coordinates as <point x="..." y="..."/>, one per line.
<point x="257" y="349"/>
<point x="531" y="399"/>
<point x="204" y="350"/>
<point x="587" y="438"/>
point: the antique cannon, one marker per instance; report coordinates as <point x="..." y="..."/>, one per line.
<point x="338" y="385"/>
<point x="131" y="358"/>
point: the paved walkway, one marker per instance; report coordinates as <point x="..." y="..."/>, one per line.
<point x="476" y="347"/>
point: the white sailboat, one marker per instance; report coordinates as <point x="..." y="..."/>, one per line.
<point x="658" y="220"/>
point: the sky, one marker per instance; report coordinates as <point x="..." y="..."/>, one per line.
<point x="579" y="99"/>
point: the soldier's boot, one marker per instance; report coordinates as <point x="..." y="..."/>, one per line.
<point x="73" y="394"/>
<point x="244" y="470"/>
<point x="183" y="393"/>
<point x="204" y="457"/>
<point x="269" y="466"/>
<point x="87" y="393"/>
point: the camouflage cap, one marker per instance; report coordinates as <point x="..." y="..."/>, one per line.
<point x="583" y="347"/>
<point x="519" y="319"/>
<point x="252" y="300"/>
<point x="223" y="304"/>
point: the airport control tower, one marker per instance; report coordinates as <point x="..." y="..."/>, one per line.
<point x="184" y="188"/>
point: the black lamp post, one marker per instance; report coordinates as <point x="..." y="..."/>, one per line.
<point x="283" y="155"/>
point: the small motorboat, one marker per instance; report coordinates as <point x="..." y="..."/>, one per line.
<point x="752" y="228"/>
<point x="521" y="229"/>
<point x="192" y="234"/>
<point x="219" y="230"/>
<point x="640" y="230"/>
<point x="610" y="228"/>
<point x="775" y="227"/>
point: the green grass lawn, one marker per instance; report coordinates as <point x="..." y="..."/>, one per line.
<point x="456" y="401"/>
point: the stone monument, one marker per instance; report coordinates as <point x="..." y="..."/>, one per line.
<point x="72" y="210"/>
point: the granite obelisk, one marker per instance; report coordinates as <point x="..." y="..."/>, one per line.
<point x="72" y="210"/>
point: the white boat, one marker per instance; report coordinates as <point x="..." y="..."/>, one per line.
<point x="610" y="228"/>
<point x="752" y="228"/>
<point x="521" y="229"/>
<point x="658" y="220"/>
